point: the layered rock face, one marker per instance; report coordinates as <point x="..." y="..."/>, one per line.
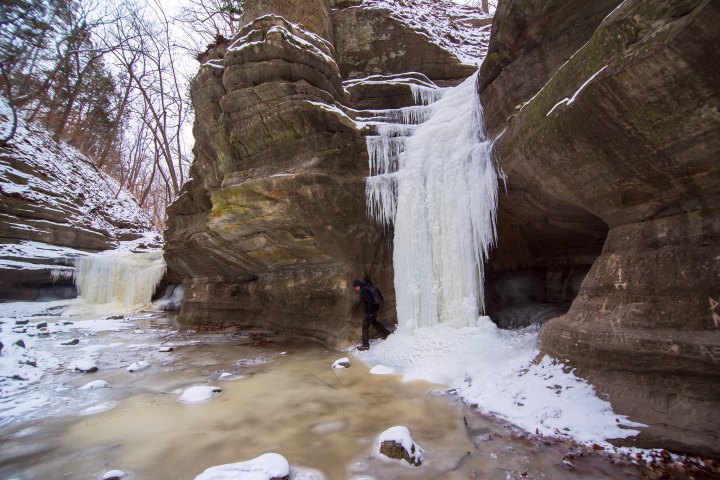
<point x="607" y="122"/>
<point x="272" y="228"/>
<point x="55" y="205"/>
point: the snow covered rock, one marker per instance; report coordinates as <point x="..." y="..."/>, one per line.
<point x="199" y="394"/>
<point x="270" y="466"/>
<point x="341" y="363"/>
<point x="74" y="341"/>
<point x="397" y="443"/>
<point x="438" y="38"/>
<point x="114" y="475"/>
<point x="138" y="366"/>
<point x="94" y="385"/>
<point x="84" y="365"/>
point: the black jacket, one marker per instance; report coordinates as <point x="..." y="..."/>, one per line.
<point x="369" y="304"/>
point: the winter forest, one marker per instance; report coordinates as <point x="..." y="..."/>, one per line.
<point x="111" y="79"/>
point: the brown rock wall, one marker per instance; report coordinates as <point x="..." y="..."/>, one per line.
<point x="613" y="123"/>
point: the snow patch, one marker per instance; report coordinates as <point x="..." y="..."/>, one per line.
<point x="568" y="100"/>
<point x="495" y="369"/>
<point x="382" y="370"/>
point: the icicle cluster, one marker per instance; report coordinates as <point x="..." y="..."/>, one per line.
<point x="437" y="184"/>
<point x="124" y="277"/>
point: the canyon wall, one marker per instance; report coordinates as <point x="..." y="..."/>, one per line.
<point x="56" y="205"/>
<point x="272" y="228"/>
<point x="607" y="125"/>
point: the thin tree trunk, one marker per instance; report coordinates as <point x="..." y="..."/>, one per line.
<point x="13" y="124"/>
<point x="116" y="124"/>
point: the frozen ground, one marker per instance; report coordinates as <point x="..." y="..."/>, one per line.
<point x="40" y="344"/>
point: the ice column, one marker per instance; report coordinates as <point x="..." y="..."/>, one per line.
<point x="439" y="187"/>
<point x="124" y="278"/>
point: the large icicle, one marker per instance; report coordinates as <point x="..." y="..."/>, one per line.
<point x="125" y="279"/>
<point x="444" y="209"/>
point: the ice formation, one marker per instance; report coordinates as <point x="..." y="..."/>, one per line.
<point x="126" y="279"/>
<point x="438" y="187"/>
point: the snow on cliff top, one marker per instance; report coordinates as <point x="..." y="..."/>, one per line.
<point x="58" y="180"/>
<point x="460" y="29"/>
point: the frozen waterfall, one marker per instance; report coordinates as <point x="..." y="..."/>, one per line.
<point x="437" y="184"/>
<point x="123" y="281"/>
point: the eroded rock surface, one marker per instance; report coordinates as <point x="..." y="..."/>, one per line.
<point x="607" y="124"/>
<point x="272" y="227"/>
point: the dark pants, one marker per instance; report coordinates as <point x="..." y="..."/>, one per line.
<point x="371" y="318"/>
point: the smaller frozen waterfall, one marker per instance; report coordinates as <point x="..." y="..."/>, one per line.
<point x="433" y="178"/>
<point x="124" y="280"/>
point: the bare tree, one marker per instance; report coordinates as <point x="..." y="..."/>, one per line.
<point x="207" y="22"/>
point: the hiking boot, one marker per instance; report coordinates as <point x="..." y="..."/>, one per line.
<point x="363" y="348"/>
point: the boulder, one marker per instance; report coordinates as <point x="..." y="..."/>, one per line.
<point x="606" y="116"/>
<point x="397" y="443"/>
<point x="84" y="365"/>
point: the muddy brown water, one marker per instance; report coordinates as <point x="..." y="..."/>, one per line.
<point x="285" y="399"/>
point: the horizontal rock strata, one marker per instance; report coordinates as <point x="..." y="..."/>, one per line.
<point x="606" y="118"/>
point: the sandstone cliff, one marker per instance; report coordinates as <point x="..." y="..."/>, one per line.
<point x="55" y="205"/>
<point x="272" y="227"/>
<point x="607" y="126"/>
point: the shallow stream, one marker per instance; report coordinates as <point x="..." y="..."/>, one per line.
<point x="280" y="397"/>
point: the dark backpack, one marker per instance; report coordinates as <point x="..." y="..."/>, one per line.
<point x="375" y="292"/>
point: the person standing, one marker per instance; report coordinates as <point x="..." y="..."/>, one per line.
<point x="371" y="305"/>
